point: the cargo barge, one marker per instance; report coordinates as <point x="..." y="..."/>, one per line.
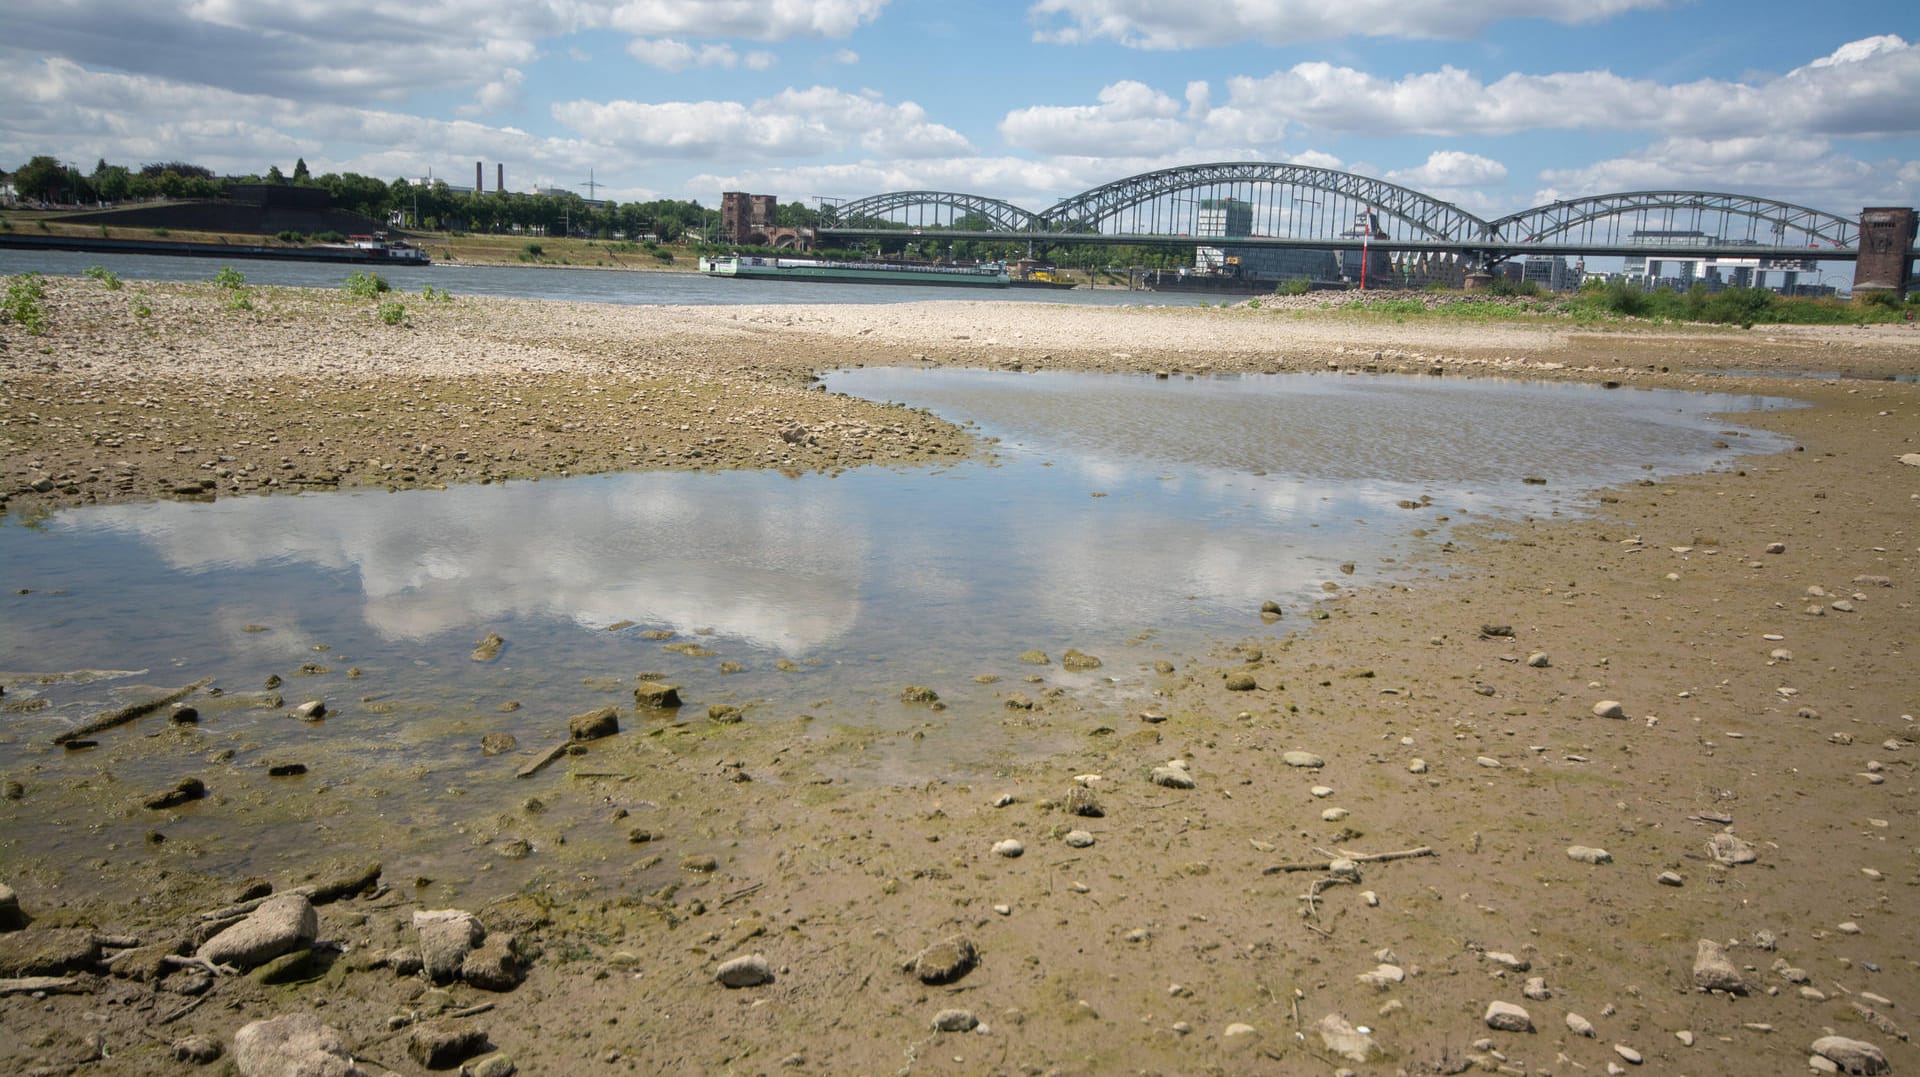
<point x="753" y="267"/>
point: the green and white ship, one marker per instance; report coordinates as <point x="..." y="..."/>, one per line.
<point x="753" y="267"/>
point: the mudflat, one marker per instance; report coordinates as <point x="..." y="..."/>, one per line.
<point x="1645" y="776"/>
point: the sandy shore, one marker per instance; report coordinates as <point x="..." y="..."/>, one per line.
<point x="1755" y="629"/>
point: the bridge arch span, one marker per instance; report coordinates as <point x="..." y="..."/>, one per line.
<point x="1424" y="214"/>
<point x="1786" y="224"/>
<point x="1004" y="216"/>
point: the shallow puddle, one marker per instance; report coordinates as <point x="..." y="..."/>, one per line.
<point x="1131" y="518"/>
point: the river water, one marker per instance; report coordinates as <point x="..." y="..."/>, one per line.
<point x="573" y="285"/>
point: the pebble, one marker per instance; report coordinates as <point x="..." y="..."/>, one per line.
<point x="1536" y="989"/>
<point x="1628" y="1053"/>
<point x="1078" y="839"/>
<point x="1416" y="766"/>
<point x="1671" y="878"/>
<point x="1172" y="777"/>
<point x="749" y="970"/>
<point x="311" y="711"/>
<point x="1539" y="660"/>
<point x="945" y="961"/>
<point x="1587" y="854"/>
<point x="1685" y="1037"/>
<point x="955" y="1021"/>
<point x="1321" y="791"/>
<point x="1509" y="961"/>
<point x="1579" y="1025"/>
<point x="1728" y="849"/>
<point x="1609" y="708"/>
<point x="1489" y="762"/>
<point x="1009" y="848"/>
<point x="1334" y="815"/>
<point x="1303" y="759"/>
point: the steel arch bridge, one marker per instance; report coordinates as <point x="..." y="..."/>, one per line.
<point x="1599" y="218"/>
<point x="1427" y="216"/>
<point x="1004" y="216"/>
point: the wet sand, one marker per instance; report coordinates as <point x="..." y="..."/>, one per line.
<point x="1755" y="628"/>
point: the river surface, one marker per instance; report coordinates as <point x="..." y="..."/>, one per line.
<point x="573" y="285"/>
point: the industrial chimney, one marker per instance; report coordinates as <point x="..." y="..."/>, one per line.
<point x="500" y="177"/>
<point x="479" y="179"/>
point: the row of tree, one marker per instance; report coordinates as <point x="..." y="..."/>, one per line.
<point x="438" y="207"/>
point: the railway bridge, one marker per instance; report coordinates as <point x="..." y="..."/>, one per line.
<point x="1255" y="206"/>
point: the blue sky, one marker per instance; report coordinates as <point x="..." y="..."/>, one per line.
<point x="1496" y="105"/>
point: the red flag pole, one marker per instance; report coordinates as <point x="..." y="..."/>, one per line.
<point x="1366" y="242"/>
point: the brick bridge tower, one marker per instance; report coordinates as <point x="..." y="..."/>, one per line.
<point x="1886" y="251"/>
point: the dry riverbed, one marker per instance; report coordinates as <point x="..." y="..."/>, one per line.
<point x="1595" y="743"/>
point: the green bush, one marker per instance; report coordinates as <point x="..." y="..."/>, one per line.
<point x="1503" y="287"/>
<point x="26" y="303"/>
<point x="329" y="237"/>
<point x="393" y="313"/>
<point x="1296" y="286"/>
<point x="1253" y="304"/>
<point x="103" y="275"/>
<point x="1878" y="297"/>
<point x="141" y="307"/>
<point x="435" y="295"/>
<point x="533" y="250"/>
<point x="291" y="236"/>
<point x="163" y="232"/>
<point x="229" y="277"/>
<point x="241" y="300"/>
<point x="365" y="285"/>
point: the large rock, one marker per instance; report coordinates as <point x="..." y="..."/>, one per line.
<point x="1729" y="849"/>
<point x="945" y="961"/>
<point x="1713" y="970"/>
<point x="495" y="965"/>
<point x="593" y="725"/>
<point x="1345" y="1040"/>
<point x="1506" y="1017"/>
<point x="282" y="924"/>
<point x="296" y="1045"/>
<point x="1852" y="1056"/>
<point x="750" y="970"/>
<point x="440" y="1045"/>
<point x="447" y="936"/>
<point x="656" y="695"/>
<point x="11" y="916"/>
<point x="47" y="952"/>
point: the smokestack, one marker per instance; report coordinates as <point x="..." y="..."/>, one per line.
<point x="500" y="177"/>
<point x="479" y="179"/>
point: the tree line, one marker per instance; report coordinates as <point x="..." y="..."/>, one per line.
<point x="434" y="206"/>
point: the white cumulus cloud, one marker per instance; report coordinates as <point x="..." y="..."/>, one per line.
<point x="1450" y="168"/>
<point x="798" y="123"/>
<point x="1155" y="24"/>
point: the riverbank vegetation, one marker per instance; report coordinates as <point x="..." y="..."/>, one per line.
<point x="1621" y="301"/>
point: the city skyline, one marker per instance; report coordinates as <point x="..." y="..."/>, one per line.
<point x="1497" y="109"/>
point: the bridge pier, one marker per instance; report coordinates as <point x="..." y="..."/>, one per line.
<point x="1886" y="251"/>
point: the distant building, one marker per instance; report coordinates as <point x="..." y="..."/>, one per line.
<point x="1232" y="218"/>
<point x="754" y="220"/>
<point x="1552" y="274"/>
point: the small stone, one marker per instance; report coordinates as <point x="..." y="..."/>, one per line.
<point x="1344" y="869"/>
<point x="1536" y="989"/>
<point x="1078" y="839"/>
<point x="1383" y="976"/>
<point x="955" y="1021"/>
<point x="1334" y="815"/>
<point x="1587" y="854"/>
<point x="918" y="693"/>
<point x="1849" y="928"/>
<point x="1671" y="878"/>
<point x="1685" y="1037"/>
<point x="1609" y="708"/>
<point x="498" y="744"/>
<point x="1172" y="778"/>
<point x="440" y="1045"/>
<point x="1416" y="766"/>
<point x="494" y="965"/>
<point x="1009" y="848"/>
<point x="750" y="970"/>
<point x="1728" y="849"/>
<point x="281" y="924"/>
<point x="1321" y="791"/>
<point x="311" y="711"/>
<point x="1579" y="1025"/>
<point x="1539" y="660"/>
<point x="1343" y="1039"/>
<point x="1241" y="682"/>
<point x="446" y="937"/>
<point x="1076" y="660"/>
<point x="498" y="1065"/>
<point x="1506" y="1017"/>
<point x="1488" y="762"/>
<point x="199" y="1050"/>
<point x="1776" y="547"/>
<point x="1628" y="1054"/>
<point x="1307" y="760"/>
<point x="1512" y="962"/>
<point x="1082" y="802"/>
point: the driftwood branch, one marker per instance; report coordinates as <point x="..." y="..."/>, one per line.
<point x="54" y="985"/>
<point x="1358" y="858"/>
<point x="108" y="719"/>
<point x="540" y="761"/>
